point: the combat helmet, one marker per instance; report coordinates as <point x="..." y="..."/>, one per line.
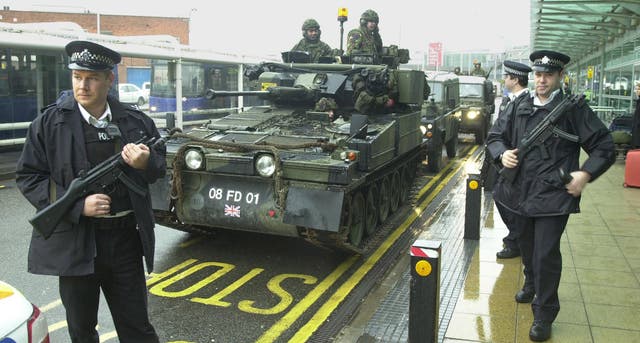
<point x="310" y="24"/>
<point x="369" y="15"/>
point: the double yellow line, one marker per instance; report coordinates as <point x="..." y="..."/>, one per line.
<point x="343" y="291"/>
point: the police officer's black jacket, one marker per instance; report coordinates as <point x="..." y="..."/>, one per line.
<point x="538" y="190"/>
<point x="55" y="151"/>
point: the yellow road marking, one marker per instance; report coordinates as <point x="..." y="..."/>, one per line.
<point x="57" y="326"/>
<point x="191" y="242"/>
<point x="107" y="336"/>
<point x="285" y="322"/>
<point x="329" y="307"/>
<point x="51" y="305"/>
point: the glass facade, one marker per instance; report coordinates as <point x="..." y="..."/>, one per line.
<point x="609" y="79"/>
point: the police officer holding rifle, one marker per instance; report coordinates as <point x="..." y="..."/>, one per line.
<point x="106" y="226"/>
<point x="545" y="179"/>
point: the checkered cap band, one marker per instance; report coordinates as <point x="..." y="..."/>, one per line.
<point x="549" y="62"/>
<point x="87" y="59"/>
<point x="512" y="71"/>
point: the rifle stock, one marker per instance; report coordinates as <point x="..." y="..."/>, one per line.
<point x="100" y="176"/>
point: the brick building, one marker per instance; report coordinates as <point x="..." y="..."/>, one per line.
<point x="110" y="24"/>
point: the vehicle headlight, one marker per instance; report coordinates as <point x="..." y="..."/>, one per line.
<point x="265" y="165"/>
<point x="423" y="129"/>
<point x="194" y="159"/>
<point x="472" y="114"/>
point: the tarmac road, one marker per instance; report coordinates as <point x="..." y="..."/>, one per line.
<point x="227" y="287"/>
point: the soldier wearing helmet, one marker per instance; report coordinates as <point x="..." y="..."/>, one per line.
<point x="311" y="42"/>
<point x="366" y="38"/>
<point x="477" y="69"/>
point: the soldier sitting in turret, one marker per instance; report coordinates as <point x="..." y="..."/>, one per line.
<point x="366" y="38"/>
<point x="477" y="69"/>
<point x="311" y="42"/>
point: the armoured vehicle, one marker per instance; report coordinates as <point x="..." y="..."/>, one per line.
<point x="477" y="102"/>
<point x="441" y="118"/>
<point x="329" y="159"/>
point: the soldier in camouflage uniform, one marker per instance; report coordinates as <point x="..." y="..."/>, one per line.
<point x="477" y="69"/>
<point x="365" y="39"/>
<point x="311" y="42"/>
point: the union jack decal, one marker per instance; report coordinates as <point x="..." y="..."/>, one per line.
<point x="232" y="211"/>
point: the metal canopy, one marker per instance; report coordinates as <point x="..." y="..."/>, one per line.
<point x="581" y="27"/>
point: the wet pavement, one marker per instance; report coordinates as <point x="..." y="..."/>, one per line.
<point x="599" y="290"/>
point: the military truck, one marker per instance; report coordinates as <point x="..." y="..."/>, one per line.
<point x="477" y="102"/>
<point x="441" y="118"/>
<point x="329" y="159"/>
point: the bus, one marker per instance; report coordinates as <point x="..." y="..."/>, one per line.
<point x="33" y="72"/>
<point x="197" y="78"/>
<point x="29" y="79"/>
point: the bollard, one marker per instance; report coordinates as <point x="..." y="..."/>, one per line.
<point x="170" y="120"/>
<point x="472" y="207"/>
<point x="424" y="299"/>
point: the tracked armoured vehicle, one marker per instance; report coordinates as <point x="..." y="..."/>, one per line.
<point x="332" y="156"/>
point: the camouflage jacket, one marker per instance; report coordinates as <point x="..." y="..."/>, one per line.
<point x="315" y="49"/>
<point x="478" y="72"/>
<point x="359" y="40"/>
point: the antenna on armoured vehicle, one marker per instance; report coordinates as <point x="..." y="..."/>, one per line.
<point x="342" y="17"/>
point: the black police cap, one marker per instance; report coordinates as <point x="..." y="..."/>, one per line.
<point x="548" y="61"/>
<point x="84" y="55"/>
<point x="515" y="68"/>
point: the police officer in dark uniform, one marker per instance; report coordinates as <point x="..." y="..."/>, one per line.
<point x="99" y="245"/>
<point x="539" y="195"/>
<point x="516" y="78"/>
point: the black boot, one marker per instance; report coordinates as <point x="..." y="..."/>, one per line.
<point x="540" y="331"/>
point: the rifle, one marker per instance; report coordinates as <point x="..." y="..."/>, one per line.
<point x="94" y="181"/>
<point x="543" y="131"/>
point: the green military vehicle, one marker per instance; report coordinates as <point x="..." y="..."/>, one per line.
<point x="441" y="118"/>
<point x="329" y="159"/>
<point x="477" y="100"/>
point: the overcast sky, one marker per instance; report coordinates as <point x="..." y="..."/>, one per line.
<point x="268" y="27"/>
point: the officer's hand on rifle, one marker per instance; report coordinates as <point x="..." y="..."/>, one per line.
<point x="136" y="155"/>
<point x="96" y="205"/>
<point x="510" y="158"/>
<point x="578" y="183"/>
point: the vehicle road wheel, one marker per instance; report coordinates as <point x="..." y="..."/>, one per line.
<point x="434" y="160"/>
<point x="356" y="219"/>
<point x="396" y="185"/>
<point x="452" y="146"/>
<point x="140" y="101"/>
<point x="384" y="199"/>
<point x="371" y="210"/>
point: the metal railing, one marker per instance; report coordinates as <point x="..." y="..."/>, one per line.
<point x="162" y="120"/>
<point x="607" y="113"/>
<point x="13" y="126"/>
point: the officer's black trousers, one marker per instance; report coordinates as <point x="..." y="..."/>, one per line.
<point x="540" y="249"/>
<point x="119" y="273"/>
<point x="510" y="219"/>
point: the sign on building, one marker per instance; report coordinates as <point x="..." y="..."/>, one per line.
<point x="435" y="54"/>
